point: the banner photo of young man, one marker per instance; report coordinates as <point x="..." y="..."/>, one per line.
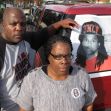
<point x="92" y="50"/>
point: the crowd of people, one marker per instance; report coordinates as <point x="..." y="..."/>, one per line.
<point x="17" y="53"/>
<point x="56" y="86"/>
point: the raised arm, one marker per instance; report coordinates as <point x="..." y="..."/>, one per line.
<point x="36" y="39"/>
<point x="66" y="23"/>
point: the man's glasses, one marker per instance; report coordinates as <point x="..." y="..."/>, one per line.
<point x="60" y="56"/>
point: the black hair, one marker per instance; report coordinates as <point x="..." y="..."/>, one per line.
<point x="52" y="40"/>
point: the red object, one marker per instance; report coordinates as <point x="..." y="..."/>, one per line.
<point x="102" y="84"/>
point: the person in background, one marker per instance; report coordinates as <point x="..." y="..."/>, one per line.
<point x="17" y="54"/>
<point x="92" y="55"/>
<point x="57" y="86"/>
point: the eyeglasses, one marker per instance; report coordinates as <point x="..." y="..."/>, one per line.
<point x="60" y="56"/>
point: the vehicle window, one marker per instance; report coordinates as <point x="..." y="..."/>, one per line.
<point x="37" y="13"/>
<point x="51" y="17"/>
<point x="67" y="32"/>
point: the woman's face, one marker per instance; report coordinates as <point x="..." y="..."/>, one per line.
<point x="60" y="58"/>
<point x="90" y="44"/>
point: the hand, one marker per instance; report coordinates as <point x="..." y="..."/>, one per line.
<point x="68" y="23"/>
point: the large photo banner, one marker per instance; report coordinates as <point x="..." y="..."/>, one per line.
<point x="92" y="43"/>
<point x="92" y="50"/>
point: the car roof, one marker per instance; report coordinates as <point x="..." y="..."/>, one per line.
<point x="81" y="8"/>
